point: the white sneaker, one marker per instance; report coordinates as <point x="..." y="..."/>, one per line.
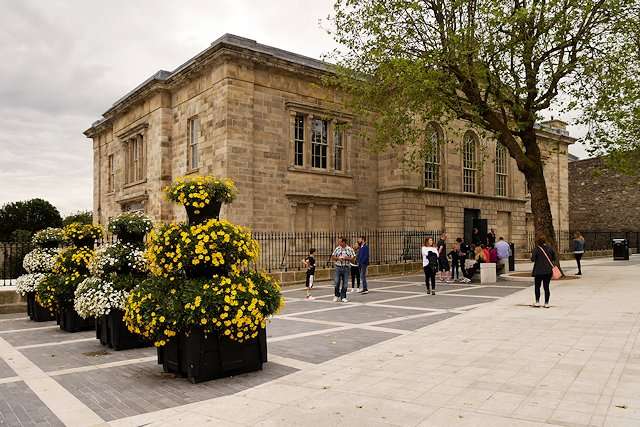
<point x="536" y="304"/>
<point x="345" y="300"/>
<point x="359" y="290"/>
<point x="546" y="306"/>
<point x="335" y="299"/>
<point x="310" y="297"/>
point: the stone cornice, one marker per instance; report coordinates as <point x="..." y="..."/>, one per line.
<point x="321" y="199"/>
<point x="133" y="130"/>
<point x="308" y="108"/>
<point x="397" y="188"/>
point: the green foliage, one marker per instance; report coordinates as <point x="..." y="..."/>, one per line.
<point x="82" y="217"/>
<point x="21" y="235"/>
<point x="29" y="215"/>
<point x="497" y="65"/>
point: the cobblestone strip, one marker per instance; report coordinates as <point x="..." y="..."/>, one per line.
<point x="102" y="366"/>
<point x="64" y="405"/>
<point x="13" y="331"/>
<point x="9" y="380"/>
<point x="47" y="344"/>
<point x="13" y="319"/>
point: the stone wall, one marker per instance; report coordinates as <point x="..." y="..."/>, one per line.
<point x="602" y="199"/>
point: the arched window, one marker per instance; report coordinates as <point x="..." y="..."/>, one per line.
<point x="433" y="158"/>
<point x="469" y="163"/>
<point x="501" y="170"/>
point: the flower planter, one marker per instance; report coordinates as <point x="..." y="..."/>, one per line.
<point x="119" y="336"/>
<point x="102" y="330"/>
<point x="69" y="321"/>
<point x="201" y="357"/>
<point x="36" y="312"/>
<point x="211" y="211"/>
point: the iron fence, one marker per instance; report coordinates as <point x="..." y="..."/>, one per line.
<point x="593" y="240"/>
<point x="278" y="251"/>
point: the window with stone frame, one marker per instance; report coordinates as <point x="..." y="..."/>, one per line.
<point x="338" y="148"/>
<point x="111" y="174"/>
<point x="298" y="140"/>
<point x="469" y="163"/>
<point x="501" y="170"/>
<point x="135" y="159"/>
<point x="193" y="153"/>
<point x="433" y="159"/>
<point x="319" y="143"/>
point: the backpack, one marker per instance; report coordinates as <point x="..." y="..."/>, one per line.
<point x="432" y="257"/>
<point x="493" y="255"/>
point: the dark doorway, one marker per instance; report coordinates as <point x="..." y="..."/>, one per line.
<point x="471" y="216"/>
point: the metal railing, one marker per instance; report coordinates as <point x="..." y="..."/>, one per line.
<point x="278" y="251"/>
<point x="593" y="240"/>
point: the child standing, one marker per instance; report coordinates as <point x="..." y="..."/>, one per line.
<point x="310" y="263"/>
<point x="355" y="270"/>
<point x="455" y="262"/>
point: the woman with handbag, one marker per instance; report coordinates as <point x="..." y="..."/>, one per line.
<point x="544" y="269"/>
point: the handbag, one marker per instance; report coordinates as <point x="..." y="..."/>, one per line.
<point x="555" y="271"/>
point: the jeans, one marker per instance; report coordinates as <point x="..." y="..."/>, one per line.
<point x="578" y="258"/>
<point x="363" y="276"/>
<point x="455" y="272"/>
<point x="355" y="275"/>
<point x="543" y="279"/>
<point x="342" y="274"/>
<point x="429" y="276"/>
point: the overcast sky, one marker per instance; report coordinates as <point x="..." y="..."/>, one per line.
<point x="65" y="62"/>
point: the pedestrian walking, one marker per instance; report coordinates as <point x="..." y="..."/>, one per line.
<point x="578" y="250"/>
<point x="443" y="262"/>
<point x="503" y="250"/>
<point x="363" y="262"/>
<point x="355" y="270"/>
<point x="543" y="257"/>
<point x="430" y="264"/>
<point x="342" y="256"/>
<point x="310" y="263"/>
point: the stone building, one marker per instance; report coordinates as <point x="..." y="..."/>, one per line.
<point x="601" y="199"/>
<point x="261" y="116"/>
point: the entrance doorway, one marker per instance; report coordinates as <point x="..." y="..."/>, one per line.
<point x="472" y="220"/>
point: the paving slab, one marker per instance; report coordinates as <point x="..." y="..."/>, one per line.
<point x="281" y="327"/>
<point x="45" y="336"/>
<point x="5" y="370"/>
<point x="19" y="407"/>
<point x="358" y="314"/>
<point x="140" y="388"/>
<point x="323" y="347"/>
<point x="75" y="355"/>
<point x="440" y="301"/>
<point x="13" y="324"/>
<point x="487" y="291"/>
<point x="419" y="322"/>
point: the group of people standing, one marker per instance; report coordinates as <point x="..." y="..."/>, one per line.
<point x="448" y="265"/>
<point x="349" y="262"/>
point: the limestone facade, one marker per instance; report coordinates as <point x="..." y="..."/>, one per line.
<point x="300" y="160"/>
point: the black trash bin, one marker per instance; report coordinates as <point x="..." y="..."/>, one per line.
<point x="620" y="249"/>
<point x="512" y="258"/>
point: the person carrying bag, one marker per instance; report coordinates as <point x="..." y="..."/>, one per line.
<point x="543" y="269"/>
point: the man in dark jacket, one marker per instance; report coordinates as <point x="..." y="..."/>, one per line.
<point x="363" y="262"/>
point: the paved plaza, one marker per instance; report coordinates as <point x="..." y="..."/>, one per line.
<point x="470" y="355"/>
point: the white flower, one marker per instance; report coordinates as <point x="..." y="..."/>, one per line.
<point x="95" y="297"/>
<point x="118" y="258"/>
<point x="40" y="260"/>
<point x="28" y="283"/>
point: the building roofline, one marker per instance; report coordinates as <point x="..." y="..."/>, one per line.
<point x="231" y="41"/>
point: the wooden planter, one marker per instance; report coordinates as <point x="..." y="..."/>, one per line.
<point x="36" y="312"/>
<point x="115" y="334"/>
<point x="201" y="357"/>
<point x="70" y="321"/>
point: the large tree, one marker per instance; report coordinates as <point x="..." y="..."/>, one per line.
<point x="496" y="64"/>
<point x="29" y="216"/>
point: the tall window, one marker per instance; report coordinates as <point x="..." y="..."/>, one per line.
<point x="111" y="173"/>
<point x="298" y="140"/>
<point x="194" y="139"/>
<point x="501" y="170"/>
<point x="432" y="160"/>
<point x="338" y="149"/>
<point x="135" y="159"/>
<point x="469" y="163"/>
<point x="319" y="144"/>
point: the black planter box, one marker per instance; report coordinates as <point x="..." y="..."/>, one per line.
<point x="71" y="322"/>
<point x="119" y="336"/>
<point x="102" y="330"/>
<point x="36" y="312"/>
<point x="202" y="358"/>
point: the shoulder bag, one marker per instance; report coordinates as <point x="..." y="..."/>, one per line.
<point x="555" y="271"/>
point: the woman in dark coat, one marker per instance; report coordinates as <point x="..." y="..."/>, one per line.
<point x="542" y="269"/>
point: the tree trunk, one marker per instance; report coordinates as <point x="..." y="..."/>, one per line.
<point x="541" y="209"/>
